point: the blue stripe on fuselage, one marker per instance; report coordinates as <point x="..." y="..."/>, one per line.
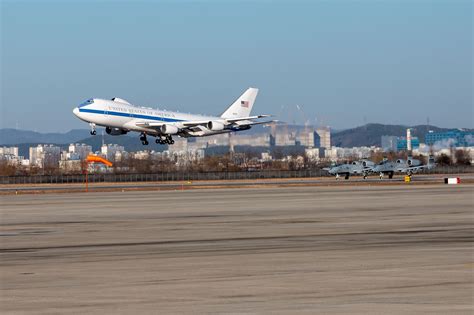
<point x="95" y="111"/>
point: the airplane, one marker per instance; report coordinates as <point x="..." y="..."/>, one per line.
<point x="409" y="166"/>
<point x="363" y="167"/>
<point x="120" y="117"/>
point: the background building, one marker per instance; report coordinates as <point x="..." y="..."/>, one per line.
<point x="455" y="138"/>
<point x="324" y="137"/>
<point x="389" y="143"/>
<point x="78" y="151"/>
<point x="402" y="143"/>
<point x="9" y="151"/>
<point x="111" y="151"/>
<point x="46" y="155"/>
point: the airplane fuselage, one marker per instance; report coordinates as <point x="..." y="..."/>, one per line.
<point x="119" y="117"/>
<point x="118" y="114"/>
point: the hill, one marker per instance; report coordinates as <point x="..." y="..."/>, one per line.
<point x="10" y="136"/>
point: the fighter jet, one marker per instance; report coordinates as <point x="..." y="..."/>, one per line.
<point x="362" y="167"/>
<point x="408" y="167"/>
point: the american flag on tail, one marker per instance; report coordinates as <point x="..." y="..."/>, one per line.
<point x="244" y="104"/>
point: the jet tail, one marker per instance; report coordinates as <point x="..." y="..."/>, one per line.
<point x="242" y="106"/>
<point x="431" y="161"/>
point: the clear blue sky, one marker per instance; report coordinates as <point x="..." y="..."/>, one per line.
<point x="343" y="62"/>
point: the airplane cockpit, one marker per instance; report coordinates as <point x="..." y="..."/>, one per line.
<point x="85" y="103"/>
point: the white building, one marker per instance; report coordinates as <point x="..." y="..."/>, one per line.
<point x="255" y="140"/>
<point x="10" y="154"/>
<point x="285" y="139"/>
<point x="13" y="151"/>
<point x="78" y="151"/>
<point x="45" y="155"/>
<point x="336" y="153"/>
<point x="324" y="137"/>
<point x="109" y="151"/>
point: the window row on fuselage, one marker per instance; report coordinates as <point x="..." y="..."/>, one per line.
<point x="141" y="111"/>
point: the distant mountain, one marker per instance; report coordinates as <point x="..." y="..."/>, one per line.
<point x="370" y="134"/>
<point x="14" y="136"/>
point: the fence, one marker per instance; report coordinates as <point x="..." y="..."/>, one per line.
<point x="192" y="176"/>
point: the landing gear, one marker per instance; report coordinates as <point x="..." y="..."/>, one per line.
<point x="346" y="177"/>
<point x="365" y="176"/>
<point x="381" y="175"/>
<point x="337" y="176"/>
<point x="167" y="140"/>
<point x="93" y="132"/>
<point x="390" y="175"/>
<point x="144" y="139"/>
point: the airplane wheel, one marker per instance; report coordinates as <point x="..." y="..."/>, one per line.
<point x="171" y="141"/>
<point x="145" y="142"/>
<point x="93" y="132"/>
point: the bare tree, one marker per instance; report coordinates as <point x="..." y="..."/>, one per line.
<point x="462" y="157"/>
<point x="444" y="160"/>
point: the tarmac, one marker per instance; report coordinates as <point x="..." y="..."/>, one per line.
<point x="280" y="250"/>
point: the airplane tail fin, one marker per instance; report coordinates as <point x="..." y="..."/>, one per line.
<point x="431" y="161"/>
<point x="242" y="106"/>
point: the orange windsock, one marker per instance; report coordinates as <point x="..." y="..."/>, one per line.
<point x="98" y="159"/>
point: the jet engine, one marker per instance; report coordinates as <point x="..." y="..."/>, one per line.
<point x="215" y="126"/>
<point x="169" y="129"/>
<point x="413" y="162"/>
<point x="115" y="131"/>
<point x="400" y="161"/>
<point x="366" y="163"/>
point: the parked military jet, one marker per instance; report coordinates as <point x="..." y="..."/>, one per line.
<point x="362" y="167"/>
<point x="408" y="167"/>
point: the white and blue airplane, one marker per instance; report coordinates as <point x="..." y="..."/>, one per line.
<point x="119" y="117"/>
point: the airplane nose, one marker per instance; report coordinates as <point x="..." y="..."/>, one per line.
<point x="76" y="111"/>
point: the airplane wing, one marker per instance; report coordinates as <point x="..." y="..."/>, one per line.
<point x="229" y="121"/>
<point x="251" y="123"/>
<point x="152" y="125"/>
<point x="197" y="124"/>
<point x="417" y="168"/>
<point x="246" y="118"/>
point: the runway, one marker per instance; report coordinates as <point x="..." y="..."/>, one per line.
<point x="287" y="250"/>
<point x="422" y="179"/>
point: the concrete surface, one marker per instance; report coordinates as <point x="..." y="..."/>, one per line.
<point x="358" y="250"/>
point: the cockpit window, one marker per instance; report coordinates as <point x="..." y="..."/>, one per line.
<point x="88" y="102"/>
